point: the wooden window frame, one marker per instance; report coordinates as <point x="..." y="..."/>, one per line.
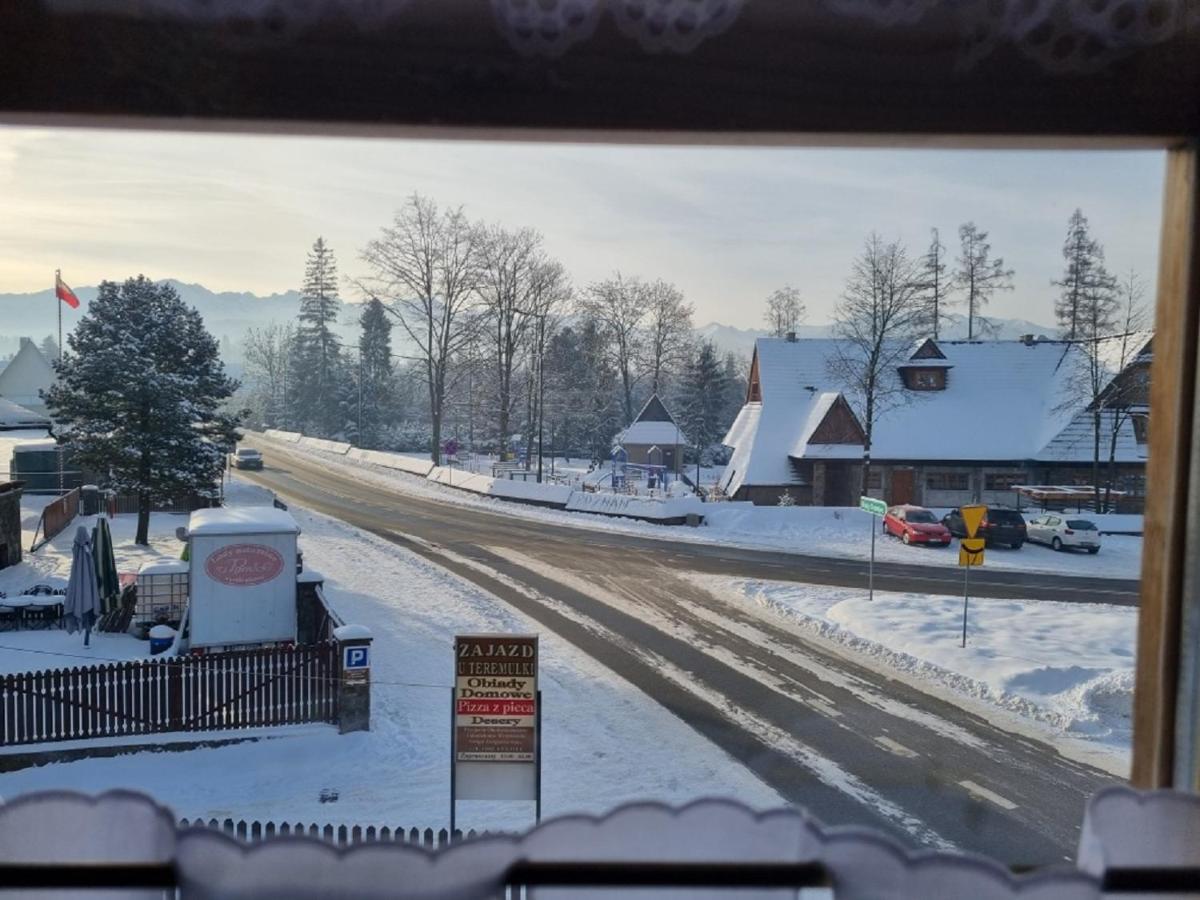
<point x="778" y="73"/>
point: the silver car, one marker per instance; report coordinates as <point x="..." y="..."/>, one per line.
<point x="1062" y="533"/>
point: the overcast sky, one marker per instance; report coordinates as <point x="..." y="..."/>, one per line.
<point x="726" y="225"/>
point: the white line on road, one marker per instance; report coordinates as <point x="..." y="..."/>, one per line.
<point x="984" y="794"/>
<point x="895" y="747"/>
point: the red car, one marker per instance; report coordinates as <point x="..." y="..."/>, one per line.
<point x="916" y="525"/>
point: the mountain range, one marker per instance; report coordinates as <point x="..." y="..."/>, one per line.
<point x="229" y="314"/>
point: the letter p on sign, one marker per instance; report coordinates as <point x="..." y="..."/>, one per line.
<point x="356" y="658"/>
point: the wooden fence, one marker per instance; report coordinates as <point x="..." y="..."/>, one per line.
<point x="340" y="835"/>
<point x="56" y="516"/>
<point x="239" y="689"/>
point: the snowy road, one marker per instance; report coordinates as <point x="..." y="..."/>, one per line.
<point x="850" y="743"/>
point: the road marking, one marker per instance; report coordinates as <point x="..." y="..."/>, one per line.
<point x="897" y="748"/>
<point x="984" y="794"/>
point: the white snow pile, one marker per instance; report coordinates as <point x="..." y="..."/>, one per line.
<point x="1067" y="666"/>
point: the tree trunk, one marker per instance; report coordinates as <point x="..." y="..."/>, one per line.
<point x="1096" y="504"/>
<point x="143" y="522"/>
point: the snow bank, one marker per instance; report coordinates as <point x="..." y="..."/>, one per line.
<point x="391" y="460"/>
<point x="674" y="509"/>
<point x="288" y="437"/>
<point x="341" y="448"/>
<point x="1067" y="666"/>
<point x="549" y="494"/>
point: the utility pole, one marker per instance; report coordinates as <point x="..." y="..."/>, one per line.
<point x="360" y="373"/>
<point x="541" y="388"/>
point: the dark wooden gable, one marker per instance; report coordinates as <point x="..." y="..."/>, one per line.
<point x="929" y="350"/>
<point x="754" y="387"/>
<point x="654" y="411"/>
<point x="839" y="426"/>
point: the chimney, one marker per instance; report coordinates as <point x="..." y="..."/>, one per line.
<point x="791" y="337"/>
<point x="1028" y="340"/>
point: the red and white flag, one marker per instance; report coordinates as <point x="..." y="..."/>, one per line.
<point x="64" y="293"/>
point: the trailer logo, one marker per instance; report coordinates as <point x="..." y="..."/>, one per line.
<point x="244" y="565"/>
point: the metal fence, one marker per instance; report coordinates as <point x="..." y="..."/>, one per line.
<point x="56" y="516"/>
<point x="237" y="689"/>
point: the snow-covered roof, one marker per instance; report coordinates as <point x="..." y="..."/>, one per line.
<point x="164" y="567"/>
<point x="652" y="426"/>
<point x="13" y="416"/>
<point x="242" y="520"/>
<point x="1003" y="400"/>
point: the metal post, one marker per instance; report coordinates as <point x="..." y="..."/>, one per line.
<point x="871" y="571"/>
<point x="453" y="698"/>
<point x="360" y="397"/>
<point x="58" y="303"/>
<point x="538" y="810"/>
<point x="966" y="594"/>
<point x="541" y="388"/>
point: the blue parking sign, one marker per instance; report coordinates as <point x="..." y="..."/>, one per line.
<point x="356" y="658"/>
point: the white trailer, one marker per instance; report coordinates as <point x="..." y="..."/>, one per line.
<point x="243" y="576"/>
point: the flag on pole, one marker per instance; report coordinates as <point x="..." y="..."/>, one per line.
<point x="64" y="293"/>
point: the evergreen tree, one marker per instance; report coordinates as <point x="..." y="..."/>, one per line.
<point x="704" y="398"/>
<point x="1084" y="279"/>
<point x="978" y="276"/>
<point x="318" y="385"/>
<point x="374" y="375"/>
<point x="935" y="283"/>
<point x="601" y="410"/>
<point x="140" y="396"/>
<point x="737" y="370"/>
<point x="49" y="348"/>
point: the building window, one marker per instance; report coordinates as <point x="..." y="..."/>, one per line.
<point x="948" y="481"/>
<point x="875" y="478"/>
<point x="925" y="379"/>
<point x="1003" y="481"/>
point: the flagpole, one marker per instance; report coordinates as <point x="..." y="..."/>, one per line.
<point x="58" y="303"/>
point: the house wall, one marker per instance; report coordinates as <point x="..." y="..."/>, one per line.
<point x="639" y="454"/>
<point x="768" y="495"/>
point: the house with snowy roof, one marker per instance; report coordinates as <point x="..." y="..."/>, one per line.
<point x="653" y="438"/>
<point x="972" y="420"/>
<point x="26" y="376"/>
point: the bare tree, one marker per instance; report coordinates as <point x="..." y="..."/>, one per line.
<point x="880" y="313"/>
<point x="508" y="261"/>
<point x="785" y="311"/>
<point x="1128" y="391"/>
<point x="268" y="354"/>
<point x="549" y="298"/>
<point x="978" y="276"/>
<point x="1084" y="275"/>
<point x="619" y="306"/>
<point x="667" y="344"/>
<point x="424" y="270"/>
<point x="936" y="284"/>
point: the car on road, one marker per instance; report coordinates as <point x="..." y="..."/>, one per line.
<point x="1062" y="533"/>
<point x="1000" y="526"/>
<point x="915" y="525"/>
<point x="247" y="458"/>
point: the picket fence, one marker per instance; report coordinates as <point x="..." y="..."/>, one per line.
<point x="339" y="835"/>
<point x="216" y="691"/>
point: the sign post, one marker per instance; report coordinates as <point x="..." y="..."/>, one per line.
<point x="877" y="509"/>
<point x="970" y="553"/>
<point x="496" y="721"/>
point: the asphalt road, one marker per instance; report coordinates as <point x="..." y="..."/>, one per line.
<point x="850" y="744"/>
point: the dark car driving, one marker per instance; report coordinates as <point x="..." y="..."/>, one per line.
<point x="999" y="527"/>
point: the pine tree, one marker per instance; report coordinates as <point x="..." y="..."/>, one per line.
<point x="1083" y="280"/>
<point x="936" y="285"/>
<point x="704" y="398"/>
<point x="140" y="396"/>
<point x="978" y="276"/>
<point x="374" y="375"/>
<point x="49" y="348"/>
<point x="736" y="371"/>
<point x="318" y="385"/>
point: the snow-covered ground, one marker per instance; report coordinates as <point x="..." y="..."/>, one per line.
<point x="814" y="530"/>
<point x="1069" y="667"/>
<point x="604" y="741"/>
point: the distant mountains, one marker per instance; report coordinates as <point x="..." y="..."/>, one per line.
<point x="741" y="340"/>
<point x="229" y="314"/>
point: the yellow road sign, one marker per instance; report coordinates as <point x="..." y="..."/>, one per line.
<point x="972" y="516"/>
<point x="970" y="552"/>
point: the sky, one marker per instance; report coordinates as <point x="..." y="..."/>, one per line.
<point x="727" y="225"/>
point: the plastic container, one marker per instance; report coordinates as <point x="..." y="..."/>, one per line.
<point x="161" y="639"/>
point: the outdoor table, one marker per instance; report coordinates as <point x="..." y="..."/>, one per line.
<point x="44" y="604"/>
<point x="18" y="605"/>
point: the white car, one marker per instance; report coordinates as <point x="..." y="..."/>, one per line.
<point x="247" y="458"/>
<point x="1060" y="532"/>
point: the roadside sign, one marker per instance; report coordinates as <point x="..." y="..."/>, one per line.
<point x="972" y="516"/>
<point x="970" y="552"/>
<point x="873" y="506"/>
<point x="356" y="657"/>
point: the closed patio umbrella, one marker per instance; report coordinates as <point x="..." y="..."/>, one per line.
<point x="83" y="596"/>
<point x="106" y="565"/>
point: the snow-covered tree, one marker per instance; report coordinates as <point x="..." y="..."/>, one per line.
<point x="704" y="395"/>
<point x="49" y="348"/>
<point x="268" y="354"/>
<point x="666" y="347"/>
<point x="374" y="374"/>
<point x="140" y="396"/>
<point x="785" y="311"/>
<point x="618" y="306"/>
<point x="879" y="315"/>
<point x="978" y="275"/>
<point x="1129" y="391"/>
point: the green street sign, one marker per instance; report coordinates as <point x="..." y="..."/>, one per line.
<point x="873" y="506"/>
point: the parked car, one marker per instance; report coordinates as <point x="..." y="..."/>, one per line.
<point x="999" y="526"/>
<point x="915" y="525"/>
<point x="247" y="458"/>
<point x="1057" y="531"/>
